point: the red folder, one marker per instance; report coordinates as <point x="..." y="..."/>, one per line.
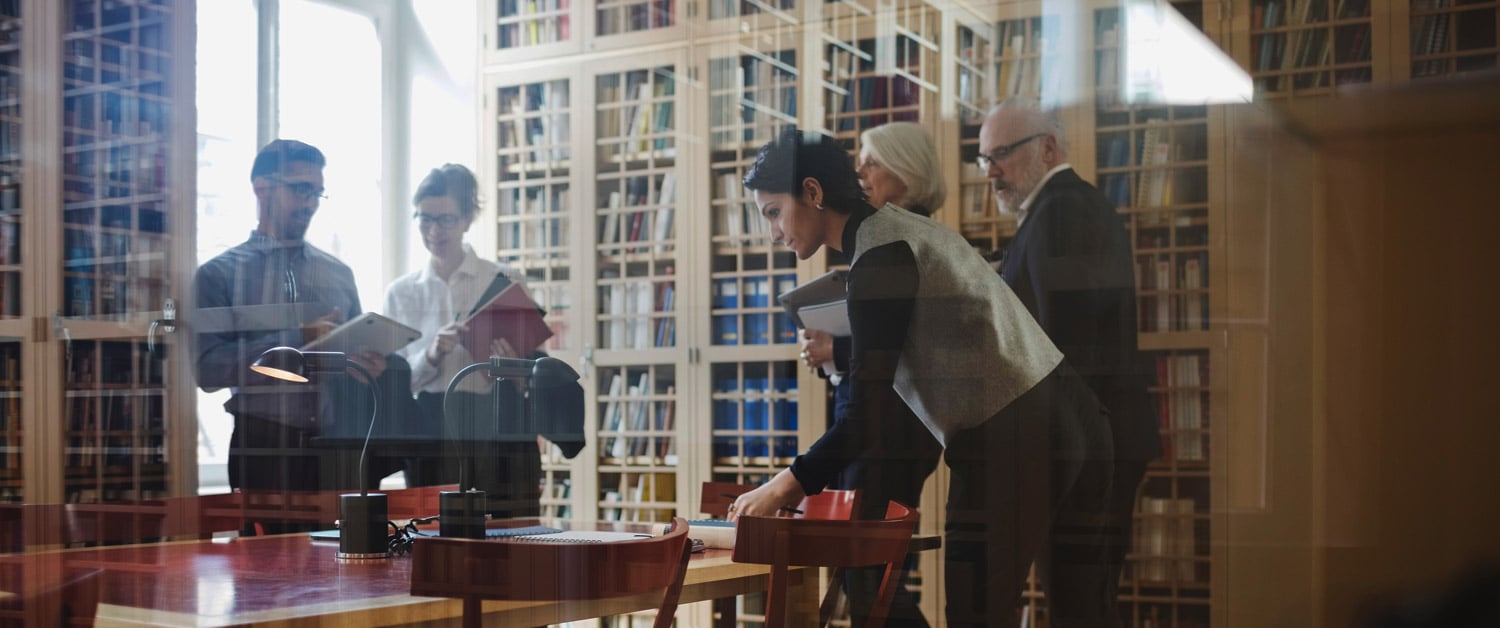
<point x="511" y="315"/>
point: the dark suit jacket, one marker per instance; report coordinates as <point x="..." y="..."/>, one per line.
<point x="1071" y="264"/>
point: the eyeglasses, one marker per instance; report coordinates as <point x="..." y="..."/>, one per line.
<point x="446" y="221"/>
<point x="302" y="189"/>
<point x="999" y="153"/>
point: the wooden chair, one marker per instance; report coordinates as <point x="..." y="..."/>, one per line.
<point x="714" y="501"/>
<point x="783" y="542"/>
<point x="498" y="569"/>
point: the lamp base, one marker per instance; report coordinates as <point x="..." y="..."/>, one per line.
<point x="362" y="526"/>
<point x="461" y="514"/>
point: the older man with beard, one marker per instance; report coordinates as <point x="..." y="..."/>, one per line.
<point x="1070" y="263"/>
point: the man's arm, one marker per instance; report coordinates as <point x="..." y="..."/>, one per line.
<point x="882" y="297"/>
<point x="223" y="358"/>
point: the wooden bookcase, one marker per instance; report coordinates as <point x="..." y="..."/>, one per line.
<point x="96" y="193"/>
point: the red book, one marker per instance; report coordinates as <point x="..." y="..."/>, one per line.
<point x="510" y="314"/>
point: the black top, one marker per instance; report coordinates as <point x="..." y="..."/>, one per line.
<point x="1071" y="265"/>
<point x="882" y="296"/>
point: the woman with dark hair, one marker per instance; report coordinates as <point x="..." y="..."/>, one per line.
<point x="898" y="165"/>
<point x="433" y="299"/>
<point x="935" y="330"/>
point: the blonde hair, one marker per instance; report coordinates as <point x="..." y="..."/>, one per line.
<point x="907" y="151"/>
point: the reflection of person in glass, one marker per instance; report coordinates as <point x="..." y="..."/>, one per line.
<point x="434" y="299"/>
<point x="1070" y="263"/>
<point x="898" y="165"/>
<point x="276" y="266"/>
<point x="936" y="330"/>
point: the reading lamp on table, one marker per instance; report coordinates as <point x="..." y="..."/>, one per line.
<point x="462" y="512"/>
<point x="362" y="517"/>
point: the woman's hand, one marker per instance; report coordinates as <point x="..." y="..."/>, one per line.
<point x="447" y="339"/>
<point x="501" y="347"/>
<point x="781" y="494"/>
<point x="817" y="347"/>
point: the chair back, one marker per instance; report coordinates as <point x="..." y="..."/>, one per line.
<point x="501" y="569"/>
<point x="716" y="496"/>
<point x="787" y="541"/>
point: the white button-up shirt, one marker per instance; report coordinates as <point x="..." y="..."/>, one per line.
<point x="423" y="300"/>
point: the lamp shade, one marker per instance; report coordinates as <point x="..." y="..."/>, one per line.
<point x="283" y="363"/>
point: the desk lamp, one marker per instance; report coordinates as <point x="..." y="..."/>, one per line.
<point x="363" y="517"/>
<point x="462" y="511"/>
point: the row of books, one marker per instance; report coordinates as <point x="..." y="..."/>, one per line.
<point x="647" y="109"/>
<point x="81" y="15"/>
<point x="1182" y="406"/>
<point x="543" y="22"/>
<point x="756" y="327"/>
<point x="752" y="98"/>
<point x="142" y="168"/>
<point x="555" y="498"/>
<point x="633" y="17"/>
<point x="643" y="210"/>
<point x="893" y="98"/>
<point x="638" y="314"/>
<point x="1022" y="45"/>
<point x="535" y="115"/>
<point x="538" y="233"/>
<point x="739" y="216"/>
<point x="1429" y="36"/>
<point x="638" y="421"/>
<point x="1316" y="47"/>
<point x="720" y="9"/>
<point x="755" y="417"/>
<point x="1166" y="541"/>
<point x="1173" y="297"/>
<point x="973" y="92"/>
<point x="112" y="363"/>
<point x="102" y="296"/>
<point x="557" y="300"/>
<point x="645" y="497"/>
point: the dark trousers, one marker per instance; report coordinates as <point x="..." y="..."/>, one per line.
<point x="895" y="471"/>
<point x="509" y="472"/>
<point x="1031" y="484"/>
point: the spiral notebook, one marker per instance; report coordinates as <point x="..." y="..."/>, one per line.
<point x="582" y="536"/>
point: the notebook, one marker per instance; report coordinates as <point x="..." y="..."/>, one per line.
<point x="490" y="533"/>
<point x="824" y="288"/>
<point x="582" y="536"/>
<point x="504" y="311"/>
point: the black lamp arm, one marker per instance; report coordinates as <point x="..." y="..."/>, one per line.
<point x="364" y="485"/>
<point x="463" y="466"/>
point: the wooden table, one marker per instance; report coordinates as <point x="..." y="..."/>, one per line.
<point x="294" y="580"/>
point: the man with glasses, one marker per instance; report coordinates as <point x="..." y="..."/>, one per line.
<point x="1070" y="263"/>
<point x="274" y="422"/>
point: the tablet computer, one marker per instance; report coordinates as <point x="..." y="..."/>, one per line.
<point x="825" y="288"/>
<point x="366" y="332"/>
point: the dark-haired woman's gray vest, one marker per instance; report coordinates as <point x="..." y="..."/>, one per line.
<point x="972" y="347"/>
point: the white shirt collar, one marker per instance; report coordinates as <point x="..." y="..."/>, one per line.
<point x="1030" y="198"/>
<point x="471" y="266"/>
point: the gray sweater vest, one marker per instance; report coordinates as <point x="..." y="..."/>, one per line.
<point x="972" y="348"/>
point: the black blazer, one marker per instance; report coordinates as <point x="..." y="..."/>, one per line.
<point x="1071" y="264"/>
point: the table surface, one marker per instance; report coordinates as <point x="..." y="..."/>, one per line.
<point x="281" y="578"/>
<point x="294" y="579"/>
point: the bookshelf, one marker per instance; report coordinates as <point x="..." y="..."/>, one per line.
<point x="1451" y="38"/>
<point x="639" y="325"/>
<point x="532" y="164"/>
<point x="751" y="348"/>
<point x="1302" y="47"/>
